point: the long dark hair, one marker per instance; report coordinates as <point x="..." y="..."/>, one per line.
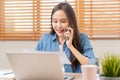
<point x="73" y="24"/>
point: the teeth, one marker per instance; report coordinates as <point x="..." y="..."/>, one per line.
<point x="60" y="30"/>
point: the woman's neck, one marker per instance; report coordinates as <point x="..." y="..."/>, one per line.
<point x="61" y="40"/>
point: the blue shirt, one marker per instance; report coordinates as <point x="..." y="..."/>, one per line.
<point x="49" y="42"/>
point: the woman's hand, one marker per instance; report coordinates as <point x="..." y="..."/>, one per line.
<point x="69" y="36"/>
<point x="81" y="58"/>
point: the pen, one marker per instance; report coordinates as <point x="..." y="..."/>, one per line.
<point x="7" y="73"/>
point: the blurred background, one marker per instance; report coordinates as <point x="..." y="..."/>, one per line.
<point x="22" y="22"/>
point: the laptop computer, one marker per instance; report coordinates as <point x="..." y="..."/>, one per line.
<point x="36" y="66"/>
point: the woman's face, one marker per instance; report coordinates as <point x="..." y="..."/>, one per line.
<point x="60" y="22"/>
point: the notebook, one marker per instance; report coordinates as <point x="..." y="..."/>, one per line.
<point x="36" y="66"/>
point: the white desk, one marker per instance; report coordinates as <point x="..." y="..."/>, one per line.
<point x="77" y="76"/>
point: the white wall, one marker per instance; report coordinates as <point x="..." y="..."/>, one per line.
<point x="9" y="46"/>
<point x="100" y="47"/>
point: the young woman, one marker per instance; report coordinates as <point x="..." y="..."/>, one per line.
<point x="65" y="32"/>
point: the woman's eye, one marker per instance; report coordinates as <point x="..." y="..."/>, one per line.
<point x="55" y="21"/>
<point x="63" y="21"/>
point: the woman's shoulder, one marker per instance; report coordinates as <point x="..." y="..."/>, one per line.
<point x="83" y="35"/>
<point x="47" y="36"/>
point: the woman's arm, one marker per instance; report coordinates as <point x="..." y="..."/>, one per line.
<point x="81" y="58"/>
<point x="87" y="55"/>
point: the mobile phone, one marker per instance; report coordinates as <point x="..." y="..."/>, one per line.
<point x="67" y="38"/>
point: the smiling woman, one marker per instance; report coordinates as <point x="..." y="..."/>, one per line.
<point x="60" y="23"/>
<point x="77" y="48"/>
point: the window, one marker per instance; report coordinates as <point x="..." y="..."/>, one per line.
<point x="1" y="19"/>
<point x="99" y="18"/>
<point x="29" y="19"/>
<point x="18" y="20"/>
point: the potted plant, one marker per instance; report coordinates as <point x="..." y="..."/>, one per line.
<point x="111" y="67"/>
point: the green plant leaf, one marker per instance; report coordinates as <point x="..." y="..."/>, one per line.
<point x="111" y="65"/>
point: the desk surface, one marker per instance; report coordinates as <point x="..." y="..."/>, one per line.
<point x="77" y="76"/>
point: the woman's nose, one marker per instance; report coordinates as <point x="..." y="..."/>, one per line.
<point x="59" y="24"/>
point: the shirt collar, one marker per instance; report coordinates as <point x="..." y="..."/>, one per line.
<point x="54" y="37"/>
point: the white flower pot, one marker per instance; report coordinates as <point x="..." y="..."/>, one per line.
<point x="109" y="78"/>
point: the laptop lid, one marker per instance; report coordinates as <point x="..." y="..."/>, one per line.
<point x="36" y="66"/>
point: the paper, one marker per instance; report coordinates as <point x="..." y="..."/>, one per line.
<point x="63" y="58"/>
<point x="7" y="75"/>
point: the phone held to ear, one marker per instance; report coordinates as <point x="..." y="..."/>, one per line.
<point x="67" y="38"/>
